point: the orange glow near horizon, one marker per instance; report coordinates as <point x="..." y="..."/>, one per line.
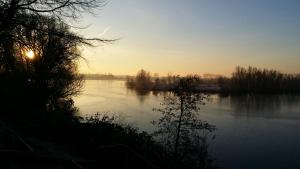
<point x="179" y="38"/>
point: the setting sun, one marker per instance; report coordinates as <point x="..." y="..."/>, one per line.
<point x="30" y="54"/>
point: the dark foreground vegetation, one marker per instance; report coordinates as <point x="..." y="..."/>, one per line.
<point x="242" y="81"/>
<point x="39" y="125"/>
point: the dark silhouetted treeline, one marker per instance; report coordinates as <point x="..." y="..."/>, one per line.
<point x="145" y="81"/>
<point x="243" y="80"/>
<point x="108" y="76"/>
<point x="255" y="80"/>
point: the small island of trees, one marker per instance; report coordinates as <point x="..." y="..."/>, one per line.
<point x="243" y="80"/>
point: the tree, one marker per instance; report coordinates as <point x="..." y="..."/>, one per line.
<point x="143" y="80"/>
<point x="179" y="128"/>
<point x="47" y="81"/>
<point x="16" y="13"/>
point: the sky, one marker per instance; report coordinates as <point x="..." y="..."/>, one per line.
<point x="192" y="36"/>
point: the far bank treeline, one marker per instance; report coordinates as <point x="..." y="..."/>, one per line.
<point x="243" y="80"/>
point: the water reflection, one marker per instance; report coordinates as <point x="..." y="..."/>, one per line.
<point x="241" y="122"/>
<point x="267" y="106"/>
<point x="246" y="105"/>
<point x="142" y="95"/>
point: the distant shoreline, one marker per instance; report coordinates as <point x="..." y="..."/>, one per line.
<point x="249" y="80"/>
<point x="112" y="79"/>
<point x="103" y="77"/>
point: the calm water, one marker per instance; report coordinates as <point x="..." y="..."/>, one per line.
<point x="255" y="132"/>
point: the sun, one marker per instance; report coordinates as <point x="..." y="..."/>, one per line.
<point x="30" y="54"/>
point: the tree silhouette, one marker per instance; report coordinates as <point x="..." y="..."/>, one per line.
<point x="16" y="13"/>
<point x="179" y="128"/>
<point x="49" y="79"/>
<point x="255" y="80"/>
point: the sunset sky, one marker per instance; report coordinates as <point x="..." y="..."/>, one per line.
<point x="193" y="36"/>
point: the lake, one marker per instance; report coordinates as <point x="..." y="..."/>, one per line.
<point x="253" y="132"/>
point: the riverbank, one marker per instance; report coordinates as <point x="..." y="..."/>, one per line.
<point x="91" y="143"/>
<point x="96" y="143"/>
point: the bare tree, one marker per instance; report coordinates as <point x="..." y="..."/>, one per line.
<point x="179" y="128"/>
<point x="15" y="14"/>
<point x="58" y="8"/>
<point x="38" y="26"/>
